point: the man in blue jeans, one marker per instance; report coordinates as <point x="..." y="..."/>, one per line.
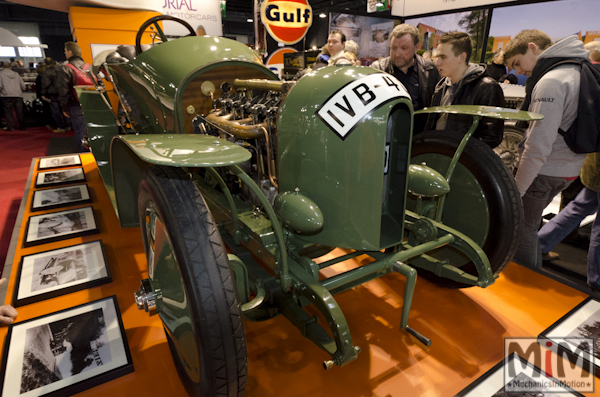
<point x="547" y="165"/>
<point x="586" y="203"/>
<point x="66" y="93"/>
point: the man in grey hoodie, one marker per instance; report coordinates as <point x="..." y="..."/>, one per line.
<point x="547" y="165"/>
<point x="464" y="84"/>
<point x="11" y="93"/>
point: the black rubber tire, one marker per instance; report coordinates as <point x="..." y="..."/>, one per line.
<point x="142" y="29"/>
<point x="206" y="278"/>
<point x="503" y="200"/>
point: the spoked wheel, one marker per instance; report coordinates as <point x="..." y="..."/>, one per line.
<point x="158" y="30"/>
<point x="508" y="148"/>
<point x="190" y="274"/>
<point x="483" y="202"/>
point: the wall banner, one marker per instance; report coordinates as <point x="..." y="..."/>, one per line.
<point x="405" y="8"/>
<point x="198" y="13"/>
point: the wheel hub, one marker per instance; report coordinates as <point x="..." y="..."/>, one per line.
<point x="146" y="297"/>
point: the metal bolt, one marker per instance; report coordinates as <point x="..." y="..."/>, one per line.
<point x="328" y="364"/>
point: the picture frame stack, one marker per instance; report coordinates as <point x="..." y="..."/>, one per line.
<point x="71" y="350"/>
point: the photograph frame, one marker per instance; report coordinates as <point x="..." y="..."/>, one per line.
<point x="49" y="162"/>
<point x="490" y="379"/>
<point x="60" y="225"/>
<point x="64" y="176"/>
<point x="571" y="321"/>
<point x="37" y="200"/>
<point x="97" y="272"/>
<point x="105" y="338"/>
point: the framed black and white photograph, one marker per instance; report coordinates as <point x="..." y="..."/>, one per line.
<point x="59" y="197"/>
<point x="66" y="352"/>
<point x="59" y="177"/>
<point x="61" y="225"/>
<point x="59" y="161"/>
<point x="568" y="333"/>
<point x="58" y="272"/>
<point x="526" y="380"/>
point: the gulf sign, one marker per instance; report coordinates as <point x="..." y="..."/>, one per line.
<point x="287" y="21"/>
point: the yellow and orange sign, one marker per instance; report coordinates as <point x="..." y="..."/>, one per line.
<point x="275" y="61"/>
<point x="287" y="21"/>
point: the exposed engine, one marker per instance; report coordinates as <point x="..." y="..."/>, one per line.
<point x="246" y="114"/>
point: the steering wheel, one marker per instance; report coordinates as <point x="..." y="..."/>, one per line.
<point x="154" y="21"/>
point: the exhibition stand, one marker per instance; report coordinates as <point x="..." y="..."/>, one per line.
<point x="467" y="326"/>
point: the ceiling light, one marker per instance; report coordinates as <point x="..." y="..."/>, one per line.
<point x="249" y="20"/>
<point x="322" y="15"/>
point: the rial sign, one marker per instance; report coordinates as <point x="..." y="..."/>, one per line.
<point x="287" y="21"/>
<point x="198" y="13"/>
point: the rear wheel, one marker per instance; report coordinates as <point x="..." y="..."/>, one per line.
<point x="483" y="202"/>
<point x="508" y="148"/>
<point x="188" y="264"/>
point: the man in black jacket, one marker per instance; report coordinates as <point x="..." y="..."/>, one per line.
<point x="418" y="75"/>
<point x="464" y="84"/>
<point x="50" y="93"/>
<point x="66" y="94"/>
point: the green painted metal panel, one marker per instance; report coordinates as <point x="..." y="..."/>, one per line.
<point x="101" y="128"/>
<point x="127" y="171"/>
<point x="153" y="84"/>
<point x="484" y="111"/>
<point x="186" y="150"/>
<point x="136" y="86"/>
<point x="344" y="176"/>
<point x="172" y="62"/>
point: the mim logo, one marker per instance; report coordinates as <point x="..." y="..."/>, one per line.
<point x="563" y="362"/>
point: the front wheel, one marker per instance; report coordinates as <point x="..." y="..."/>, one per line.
<point x="187" y="263"/>
<point x="483" y="202"/>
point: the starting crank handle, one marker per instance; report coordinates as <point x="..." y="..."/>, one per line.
<point x="422" y="338"/>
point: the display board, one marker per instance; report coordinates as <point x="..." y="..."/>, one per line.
<point x="370" y="33"/>
<point x="434" y="27"/>
<point x="406" y="8"/>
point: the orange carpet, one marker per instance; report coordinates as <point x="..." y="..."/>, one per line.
<point x="466" y="327"/>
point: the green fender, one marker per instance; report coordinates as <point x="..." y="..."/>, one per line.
<point x="131" y="155"/>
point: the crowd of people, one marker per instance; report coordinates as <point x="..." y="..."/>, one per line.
<point x="54" y="88"/>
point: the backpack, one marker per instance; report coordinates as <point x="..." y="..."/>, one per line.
<point x="584" y="134"/>
<point x="80" y="77"/>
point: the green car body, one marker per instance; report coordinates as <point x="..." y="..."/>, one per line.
<point x="339" y="167"/>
